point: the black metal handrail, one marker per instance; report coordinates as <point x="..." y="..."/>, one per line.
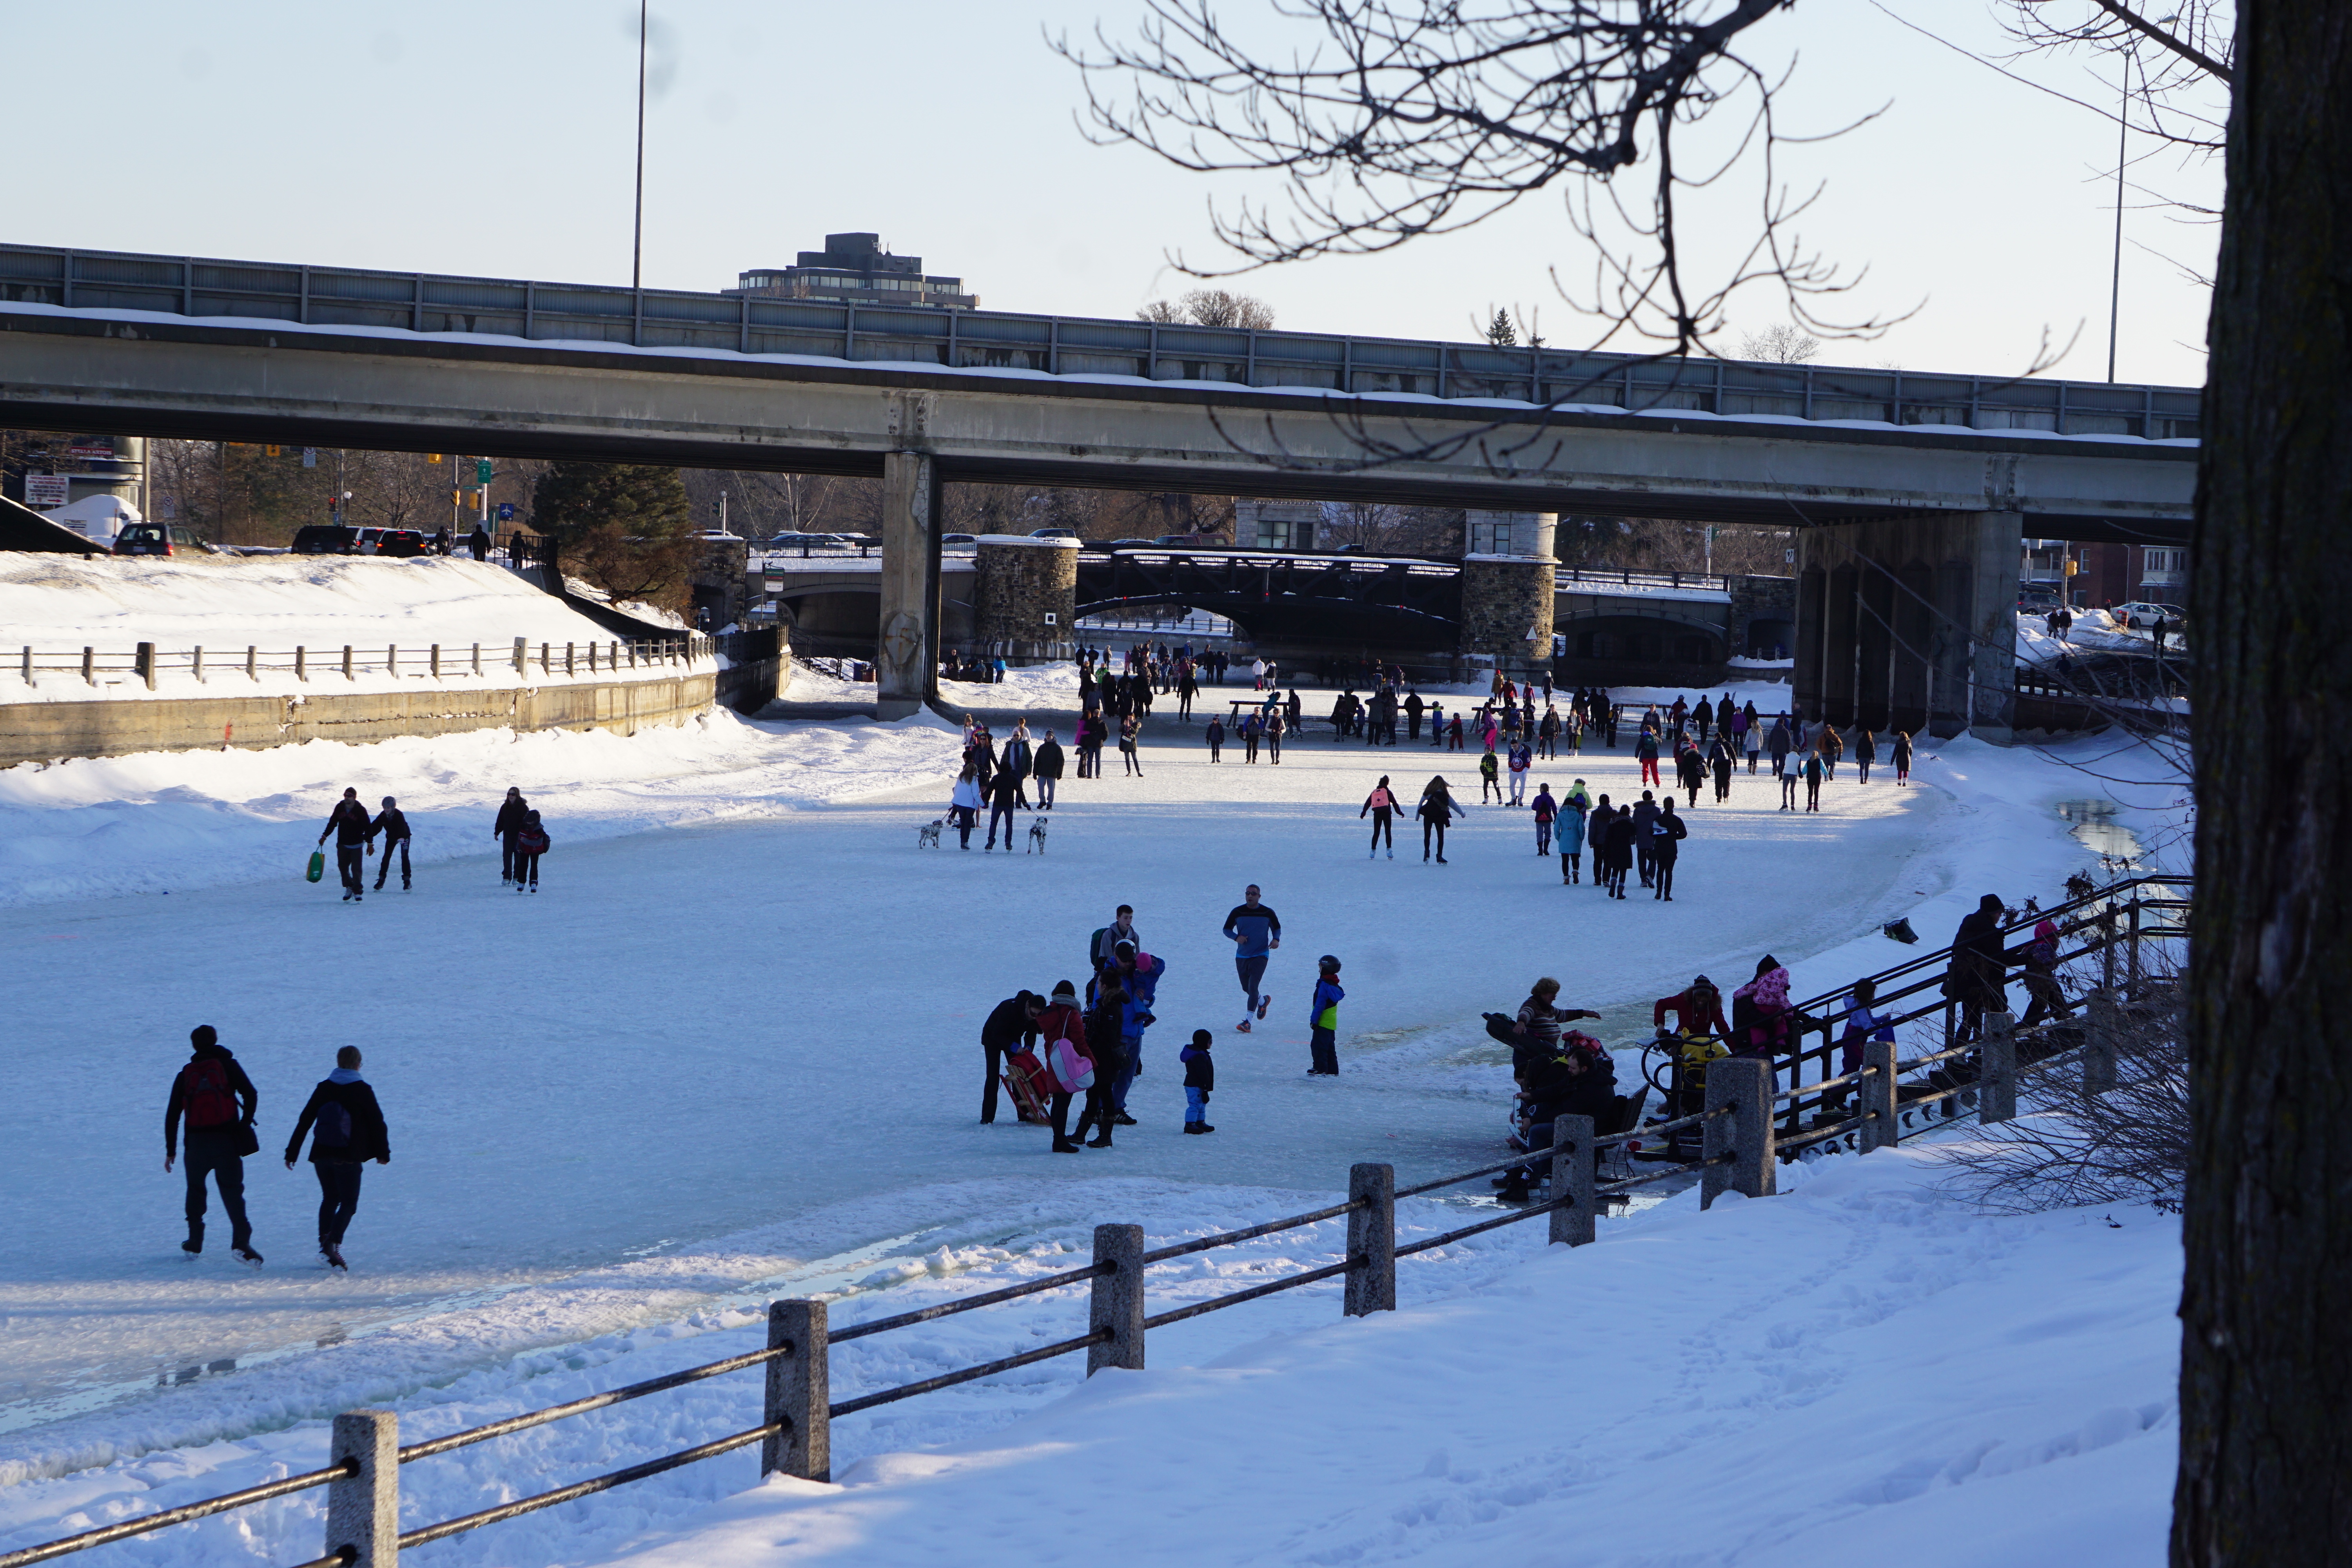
<point x="181" y="1515"/>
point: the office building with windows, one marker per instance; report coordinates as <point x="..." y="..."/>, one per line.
<point x="854" y="268"/>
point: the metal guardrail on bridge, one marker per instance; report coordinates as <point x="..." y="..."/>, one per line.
<point x="1067" y="345"/>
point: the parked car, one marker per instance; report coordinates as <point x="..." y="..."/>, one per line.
<point x="784" y="543"/>
<point x="960" y="544"/>
<point x="403" y="541"/>
<point x="1133" y="545"/>
<point x="326" y="539"/>
<point x="1053" y="533"/>
<point x="2137" y="615"/>
<point x="161" y="539"/>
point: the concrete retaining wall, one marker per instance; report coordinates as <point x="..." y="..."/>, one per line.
<point x="45" y="731"/>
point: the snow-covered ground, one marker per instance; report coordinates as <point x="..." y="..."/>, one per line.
<point x="729" y="1052"/>
<point x="59" y="604"/>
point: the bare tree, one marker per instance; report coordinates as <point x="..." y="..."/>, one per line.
<point x="1779" y="343"/>
<point x="1210" y="308"/>
<point x="1394" y="120"/>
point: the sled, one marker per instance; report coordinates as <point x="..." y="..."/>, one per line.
<point x="318" y="866"/>
<point x="1026" y="1081"/>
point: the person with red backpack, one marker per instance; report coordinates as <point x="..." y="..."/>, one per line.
<point x="351" y="1131"/>
<point x="209" y="1092"/>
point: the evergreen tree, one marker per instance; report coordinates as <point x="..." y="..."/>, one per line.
<point x="628" y="528"/>
<point x="1500" y="333"/>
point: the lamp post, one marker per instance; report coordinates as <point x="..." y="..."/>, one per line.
<point x="2123" y="143"/>
<point x="638" y="241"/>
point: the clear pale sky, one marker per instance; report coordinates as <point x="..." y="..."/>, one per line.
<point x="494" y="138"/>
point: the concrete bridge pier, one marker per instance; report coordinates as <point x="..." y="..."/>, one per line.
<point x="1027" y="599"/>
<point x="1507" y="611"/>
<point x="1910" y="624"/>
<point x="907" y="655"/>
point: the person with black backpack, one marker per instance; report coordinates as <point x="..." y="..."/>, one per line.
<point x="209" y="1092"/>
<point x="531" y="842"/>
<point x="351" y="1131"/>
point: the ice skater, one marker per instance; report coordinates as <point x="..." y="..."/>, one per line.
<point x="1380" y="807"/>
<point x="530" y="843"/>
<point x="1255" y="930"/>
<point x="350" y="1133"/>
<point x="394" y="829"/>
<point x="1437" y="809"/>
<point x="349" y="823"/>
<point x="208" y="1091"/>
<point x="508" y="824"/>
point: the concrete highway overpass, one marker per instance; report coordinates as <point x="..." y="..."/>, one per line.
<point x="175" y="346"/>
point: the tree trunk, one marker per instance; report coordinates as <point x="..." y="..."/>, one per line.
<point x="2266" y="1309"/>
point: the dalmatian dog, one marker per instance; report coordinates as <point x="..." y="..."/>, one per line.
<point x="1037" y="825"/>
<point x="927" y="836"/>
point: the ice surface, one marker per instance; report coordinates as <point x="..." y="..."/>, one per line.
<point x="729" y="1052"/>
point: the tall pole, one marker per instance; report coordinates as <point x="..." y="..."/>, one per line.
<point x="637" y="246"/>
<point x="2115" y="279"/>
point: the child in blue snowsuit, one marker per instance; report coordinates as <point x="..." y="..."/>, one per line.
<point x="1325" y="1019"/>
<point x="1199" y="1078"/>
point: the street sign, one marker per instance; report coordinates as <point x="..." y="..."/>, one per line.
<point x="310" y="457"/>
<point x="273" y="451"/>
<point x="101" y="447"/>
<point x="506" y="512"/>
<point x="482" y="472"/>
<point x="45" y="491"/>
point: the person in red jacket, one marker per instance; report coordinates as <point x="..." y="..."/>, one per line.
<point x="1697" y="1010"/>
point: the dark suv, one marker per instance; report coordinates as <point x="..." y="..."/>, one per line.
<point x="159" y="539"/>
<point x="403" y="541"/>
<point x="326" y="539"/>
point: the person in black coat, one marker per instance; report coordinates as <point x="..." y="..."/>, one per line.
<point x="1666" y="836"/>
<point x="349" y="823"/>
<point x="1012" y="1026"/>
<point x="480" y="541"/>
<point x="1002" y="795"/>
<point x="1048" y="770"/>
<point x="1109" y="1056"/>
<point x="1979" y="967"/>
<point x="511" y="814"/>
<point x="209" y="1090"/>
<point x="394" y="829"/>
<point x="351" y="1131"/>
<point x="1577" y="1079"/>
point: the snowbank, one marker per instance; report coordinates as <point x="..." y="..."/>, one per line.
<point x="1783" y="1382"/>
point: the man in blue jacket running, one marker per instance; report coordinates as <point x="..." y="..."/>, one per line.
<point x="1255" y="930"/>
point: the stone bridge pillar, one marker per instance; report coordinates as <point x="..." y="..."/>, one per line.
<point x="1507" y="611"/>
<point x="907" y="655"/>
<point x="1027" y="597"/>
<point x="1910" y="624"/>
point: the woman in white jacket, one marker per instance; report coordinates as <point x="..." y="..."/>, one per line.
<point x="963" y="801"/>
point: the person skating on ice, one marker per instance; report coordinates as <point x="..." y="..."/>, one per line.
<point x="1255" y="930"/>
<point x="349" y="823"/>
<point x="1380" y="807"/>
<point x="208" y="1092"/>
<point x="350" y="1133"/>
<point x="394" y="829"/>
<point x="1437" y="809"/>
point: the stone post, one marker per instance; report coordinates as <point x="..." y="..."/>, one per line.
<point x="1997" y="1064"/>
<point x="1118" y="1303"/>
<point x="1507" y="611"/>
<point x="1372" y="1240"/>
<point x="144" y="664"/>
<point x="800" y="1391"/>
<point x="364" y="1510"/>
<point x="906" y="657"/>
<point x="1576" y="1220"/>
<point x="2099" y="1031"/>
<point x="1742" y="1085"/>
<point x="1881" y="1100"/>
<point x="1027" y="596"/>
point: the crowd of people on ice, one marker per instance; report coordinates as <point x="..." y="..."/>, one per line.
<point x="1047" y="1051"/>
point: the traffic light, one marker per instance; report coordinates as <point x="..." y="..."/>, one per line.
<point x="432" y="456"/>
<point x="273" y="451"/>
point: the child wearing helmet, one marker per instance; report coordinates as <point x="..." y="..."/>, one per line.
<point x="1323" y="1018"/>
